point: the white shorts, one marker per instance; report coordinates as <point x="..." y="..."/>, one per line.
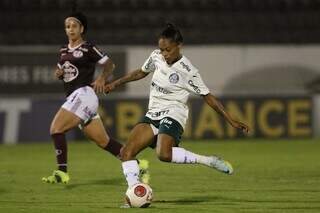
<point x="83" y="102"/>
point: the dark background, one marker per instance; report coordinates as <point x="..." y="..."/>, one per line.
<point x="139" y="21"/>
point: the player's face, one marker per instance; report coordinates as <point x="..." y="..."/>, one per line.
<point x="73" y="29"/>
<point x="170" y="50"/>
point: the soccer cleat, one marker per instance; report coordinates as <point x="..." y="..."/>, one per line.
<point x="221" y="165"/>
<point x="125" y="206"/>
<point x="144" y="172"/>
<point x="57" y="177"/>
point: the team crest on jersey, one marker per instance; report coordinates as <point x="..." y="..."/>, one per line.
<point x="77" y="54"/>
<point x="70" y="71"/>
<point x="174" y="78"/>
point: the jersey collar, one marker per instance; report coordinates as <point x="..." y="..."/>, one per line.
<point x="73" y="48"/>
<point x="179" y="59"/>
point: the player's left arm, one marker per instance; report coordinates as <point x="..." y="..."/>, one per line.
<point x="97" y="56"/>
<point x="100" y="82"/>
<point x="215" y="104"/>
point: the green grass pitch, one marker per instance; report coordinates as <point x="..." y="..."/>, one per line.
<point x="276" y="176"/>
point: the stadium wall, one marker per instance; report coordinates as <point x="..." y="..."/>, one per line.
<point x="225" y="69"/>
<point x="262" y="85"/>
<point x="244" y="69"/>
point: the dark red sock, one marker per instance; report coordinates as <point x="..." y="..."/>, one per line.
<point x="113" y="147"/>
<point x="60" y="145"/>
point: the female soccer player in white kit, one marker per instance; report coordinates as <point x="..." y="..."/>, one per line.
<point x="174" y="78"/>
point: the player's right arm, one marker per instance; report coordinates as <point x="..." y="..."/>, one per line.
<point x="58" y="73"/>
<point x="132" y="76"/>
<point x="148" y="67"/>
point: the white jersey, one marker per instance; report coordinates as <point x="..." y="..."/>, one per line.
<point x="171" y="86"/>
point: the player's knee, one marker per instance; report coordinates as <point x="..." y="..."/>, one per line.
<point x="56" y="130"/>
<point x="165" y="157"/>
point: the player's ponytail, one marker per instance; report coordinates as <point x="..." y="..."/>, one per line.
<point x="172" y="32"/>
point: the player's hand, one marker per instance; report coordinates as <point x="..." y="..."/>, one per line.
<point x="240" y="125"/>
<point x="99" y="84"/>
<point x="59" y="73"/>
<point x="109" y="87"/>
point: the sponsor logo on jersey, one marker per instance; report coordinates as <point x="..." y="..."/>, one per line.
<point x="70" y="71"/>
<point x="185" y="66"/>
<point x="150" y="66"/>
<point x="77" y="54"/>
<point x="160" y="89"/>
<point x="195" y="88"/>
<point x="174" y="78"/>
<point x="158" y="114"/>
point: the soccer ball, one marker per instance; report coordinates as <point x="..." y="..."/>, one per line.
<point x="139" y="195"/>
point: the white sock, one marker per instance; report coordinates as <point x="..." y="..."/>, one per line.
<point x="131" y="172"/>
<point x="180" y="155"/>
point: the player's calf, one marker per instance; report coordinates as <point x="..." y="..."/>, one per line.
<point x="165" y="157"/>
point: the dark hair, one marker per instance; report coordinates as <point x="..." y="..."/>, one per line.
<point x="173" y="33"/>
<point x="78" y="15"/>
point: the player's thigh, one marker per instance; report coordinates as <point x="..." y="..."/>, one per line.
<point x="140" y="137"/>
<point x="164" y="147"/>
<point x="96" y="132"/>
<point x="81" y="105"/>
<point x="64" y="121"/>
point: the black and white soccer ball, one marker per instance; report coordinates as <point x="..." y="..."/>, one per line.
<point x="139" y="195"/>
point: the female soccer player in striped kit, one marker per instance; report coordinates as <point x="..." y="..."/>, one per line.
<point x="174" y="79"/>
<point x="76" y="67"/>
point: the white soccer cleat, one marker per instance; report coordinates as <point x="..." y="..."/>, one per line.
<point x="125" y="206"/>
<point x="221" y="165"/>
